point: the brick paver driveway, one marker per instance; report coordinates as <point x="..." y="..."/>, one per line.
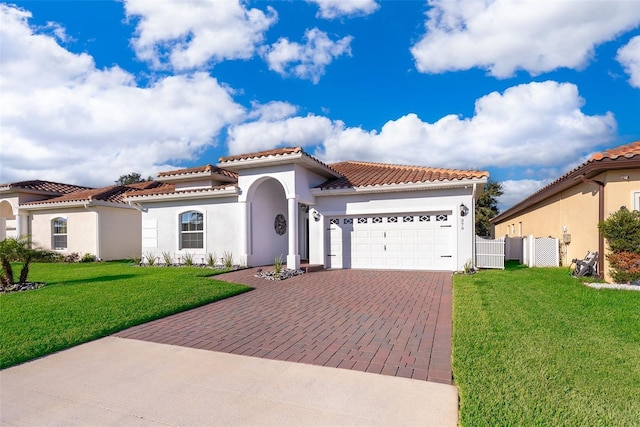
<point x="387" y="322"/>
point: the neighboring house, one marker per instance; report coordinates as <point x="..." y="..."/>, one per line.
<point x="68" y="218"/>
<point x="570" y="207"/>
<point x="285" y="202"/>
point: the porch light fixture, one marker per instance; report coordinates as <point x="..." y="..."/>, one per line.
<point x="463" y="209"/>
<point x="315" y="214"/>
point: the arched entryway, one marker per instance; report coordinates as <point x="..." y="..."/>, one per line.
<point x="8" y="226"/>
<point x="268" y="222"/>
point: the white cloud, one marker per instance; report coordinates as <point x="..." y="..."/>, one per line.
<point x="192" y="33"/>
<point x="504" y="36"/>
<point x="271" y="111"/>
<point x="531" y="124"/>
<point x="292" y="131"/>
<point x="537" y="125"/>
<point x="629" y="57"/>
<point x="330" y="9"/>
<point x="517" y="190"/>
<point x="74" y="123"/>
<point x="306" y="61"/>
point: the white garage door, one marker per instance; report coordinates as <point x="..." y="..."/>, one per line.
<point x="411" y="242"/>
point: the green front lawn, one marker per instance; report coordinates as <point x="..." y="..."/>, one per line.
<point x="533" y="346"/>
<point x="82" y="302"/>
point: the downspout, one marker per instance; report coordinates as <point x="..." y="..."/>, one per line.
<point x="600" y="185"/>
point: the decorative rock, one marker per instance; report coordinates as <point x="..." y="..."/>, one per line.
<point x="283" y="275"/>
<point x="18" y="287"/>
<point x="631" y="287"/>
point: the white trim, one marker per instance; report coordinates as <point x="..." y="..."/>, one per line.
<point x="385" y="188"/>
<point x="635" y="200"/>
<point x="201" y="194"/>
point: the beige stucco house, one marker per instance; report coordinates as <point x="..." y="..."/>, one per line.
<point x="68" y="218"/>
<point x="570" y="207"/>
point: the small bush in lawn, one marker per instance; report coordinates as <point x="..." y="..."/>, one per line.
<point x="136" y="260"/>
<point x="88" y="258"/>
<point x="188" y="259"/>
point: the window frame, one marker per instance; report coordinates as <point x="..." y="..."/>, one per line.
<point x="56" y="233"/>
<point x="195" y="232"/>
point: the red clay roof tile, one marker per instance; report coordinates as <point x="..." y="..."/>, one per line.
<point x="199" y="169"/>
<point x="112" y="194"/>
<point x="45" y="186"/>
<point x="366" y="174"/>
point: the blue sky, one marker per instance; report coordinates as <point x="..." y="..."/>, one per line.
<point x="96" y="89"/>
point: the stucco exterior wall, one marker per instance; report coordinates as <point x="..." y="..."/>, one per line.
<point x="120" y="233"/>
<point x="82" y="232"/>
<point x="575" y="212"/>
<point x="161" y="226"/>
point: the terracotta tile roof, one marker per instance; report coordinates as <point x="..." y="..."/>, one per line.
<point x="277" y="152"/>
<point x="199" y="169"/>
<point x="624" y="156"/>
<point x="112" y="194"/>
<point x="167" y="188"/>
<point x="260" y="154"/>
<point x="366" y="174"/>
<point x="44" y="186"/>
<point x="628" y="151"/>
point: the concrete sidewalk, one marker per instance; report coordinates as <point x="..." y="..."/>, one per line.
<point x="118" y="381"/>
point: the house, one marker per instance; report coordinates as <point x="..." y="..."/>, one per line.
<point x="287" y="203"/>
<point x="68" y="218"/>
<point x="571" y="207"/>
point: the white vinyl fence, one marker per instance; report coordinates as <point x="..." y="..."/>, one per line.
<point x="489" y="253"/>
<point x="541" y="252"/>
<point x="531" y="251"/>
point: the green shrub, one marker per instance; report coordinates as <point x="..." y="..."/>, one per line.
<point x="88" y="258"/>
<point x="622" y="231"/>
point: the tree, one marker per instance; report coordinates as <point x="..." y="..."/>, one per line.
<point x="132" y="178"/>
<point x="17" y="249"/>
<point x="487" y="206"/>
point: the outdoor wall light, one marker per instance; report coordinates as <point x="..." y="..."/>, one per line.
<point x="315" y="214"/>
<point x="463" y="209"/>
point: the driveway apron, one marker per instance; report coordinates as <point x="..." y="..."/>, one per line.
<point x="386" y="322"/>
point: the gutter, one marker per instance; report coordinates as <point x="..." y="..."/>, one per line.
<point x="384" y="188"/>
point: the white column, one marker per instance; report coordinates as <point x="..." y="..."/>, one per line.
<point x="21" y="224"/>
<point x="293" y="259"/>
<point x="244" y="232"/>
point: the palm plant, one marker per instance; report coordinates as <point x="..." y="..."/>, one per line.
<point x="17" y="249"/>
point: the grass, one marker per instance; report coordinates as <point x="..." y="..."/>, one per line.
<point x="82" y="302"/>
<point x="535" y="347"/>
